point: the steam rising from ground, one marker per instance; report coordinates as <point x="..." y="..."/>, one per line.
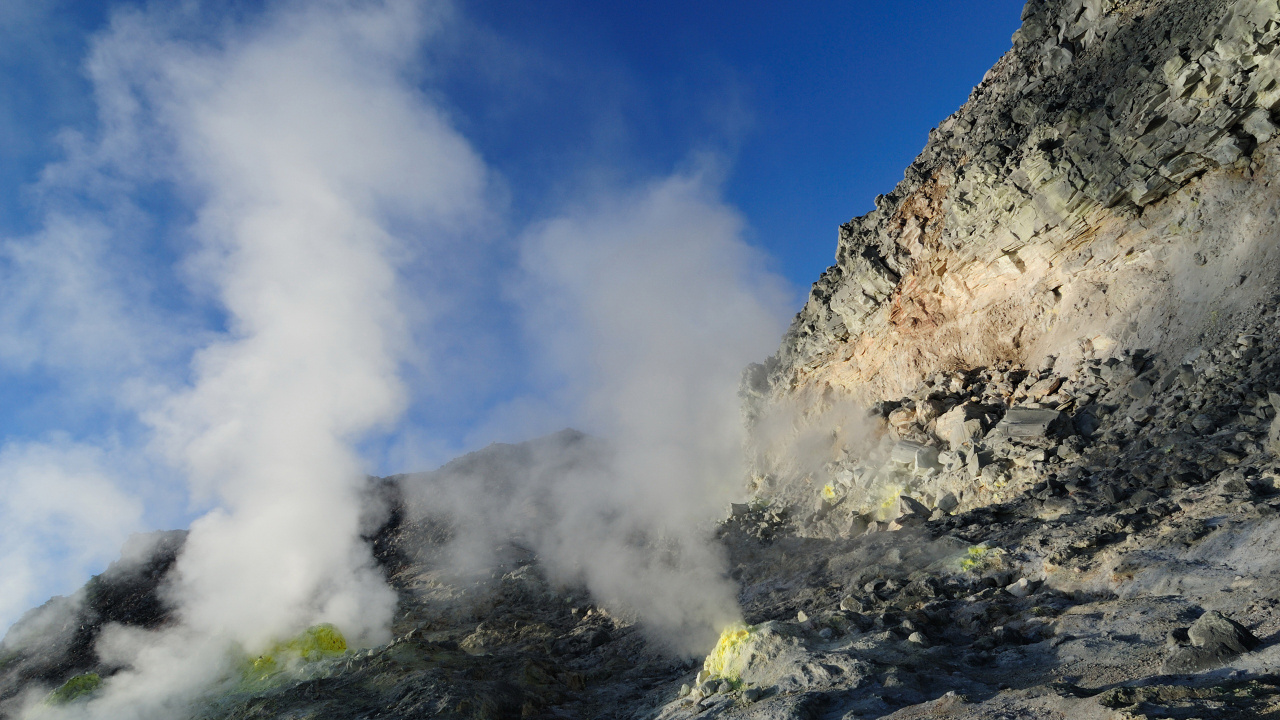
<point x="805" y="436"/>
<point x="303" y="141"/>
<point x="313" y="163"/>
<point x="648" y="305"/>
<point x="317" y="173"/>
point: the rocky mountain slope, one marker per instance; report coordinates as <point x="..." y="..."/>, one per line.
<point x="1107" y="183"/>
<point x="1017" y="455"/>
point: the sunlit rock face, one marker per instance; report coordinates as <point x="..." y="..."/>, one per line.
<point x="1109" y="178"/>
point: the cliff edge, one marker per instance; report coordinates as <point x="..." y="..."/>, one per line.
<point x="1106" y="186"/>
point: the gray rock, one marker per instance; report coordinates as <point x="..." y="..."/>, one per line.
<point x="1021" y="588"/>
<point x="858" y="524"/>
<point x="960" y="425"/>
<point x="1140" y="389"/>
<point x="1141" y="411"/>
<point x="910" y="507"/>
<point x="1187" y="376"/>
<point x="1215" y="629"/>
<point x="1143" y="498"/>
<point x="948" y="502"/>
<point x="1273" y="436"/>
<point x="914" y="456"/>
<point x="851" y="603"/>
<point x="1213" y="640"/>
<point x="1021" y="422"/>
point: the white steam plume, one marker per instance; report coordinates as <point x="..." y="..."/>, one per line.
<point x="303" y="140"/>
<point x="646" y="306"/>
<point x="651" y="305"/>
<point x="61" y="517"/>
<point x="662" y="306"/>
<point x="317" y="169"/>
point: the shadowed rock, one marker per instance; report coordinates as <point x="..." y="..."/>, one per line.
<point x="1214" y="640"/>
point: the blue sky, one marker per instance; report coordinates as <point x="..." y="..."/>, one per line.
<point x="816" y="106"/>
<point x="760" y="125"/>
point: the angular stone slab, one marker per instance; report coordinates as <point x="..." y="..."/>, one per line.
<point x="1028" y="422"/>
<point x="914" y="455"/>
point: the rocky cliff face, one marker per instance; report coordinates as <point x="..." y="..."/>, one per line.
<point x="1106" y="185"/>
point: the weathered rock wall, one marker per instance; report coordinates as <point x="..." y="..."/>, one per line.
<point x="1107" y="185"/>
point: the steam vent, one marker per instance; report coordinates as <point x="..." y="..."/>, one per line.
<point x="1017" y="456"/>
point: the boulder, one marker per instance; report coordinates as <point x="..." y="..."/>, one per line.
<point x="1213" y="640"/>
<point x="960" y="425"/>
<point x="1029" y="422"/>
<point x="914" y="456"/>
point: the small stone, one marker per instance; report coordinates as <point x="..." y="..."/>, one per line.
<point x="724" y="687"/>
<point x="857" y="526"/>
<point x="1202" y="423"/>
<point x="928" y="410"/>
<point x="1043" y="388"/>
<point x="1141" y="411"/>
<point x="914" y="456"/>
<point x="1020" y="589"/>
<point x="752" y="694"/>
<point x="685" y="690"/>
<point x="1139" y="389"/>
<point x="802" y="617"/>
<point x="1273" y="436"/>
<point x="910" y="507"/>
<point x="1187" y="376"/>
<point x="960" y="425"/>
<point x="1143" y="498"/>
<point x="917" y="638"/>
<point x="948" y="502"/>
<point x="851" y="604"/>
<point x="1258" y="124"/>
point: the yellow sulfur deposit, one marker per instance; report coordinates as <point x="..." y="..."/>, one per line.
<point x="980" y="557"/>
<point x="889" y="498"/>
<point x="725" y="661"/>
<point x="75" y="688"/>
<point x="315" y="643"/>
<point x="829" y="493"/>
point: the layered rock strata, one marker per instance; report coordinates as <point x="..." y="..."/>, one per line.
<point x="1107" y="182"/>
